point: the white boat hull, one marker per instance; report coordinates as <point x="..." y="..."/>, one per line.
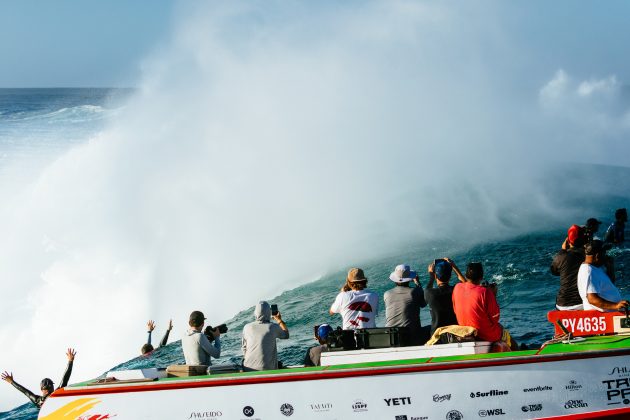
<point x="514" y="388"/>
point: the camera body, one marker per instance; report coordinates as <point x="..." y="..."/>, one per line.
<point x="209" y="329"/>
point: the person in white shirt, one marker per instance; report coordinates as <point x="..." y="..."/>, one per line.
<point x="594" y="285"/>
<point x="357" y="305"/>
<point x="196" y="346"/>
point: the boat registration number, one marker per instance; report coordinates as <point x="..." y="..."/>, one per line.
<point x="596" y="324"/>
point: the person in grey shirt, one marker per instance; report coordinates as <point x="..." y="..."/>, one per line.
<point x="403" y="303"/>
<point x="259" y="339"/>
<point x="196" y="346"/>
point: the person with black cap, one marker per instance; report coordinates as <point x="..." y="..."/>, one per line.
<point x="196" y="346"/>
<point x="440" y="298"/>
<point x="596" y="289"/>
<point x="314" y="354"/>
<point x="46" y="386"/>
<point x="616" y="231"/>
<point x="566" y="264"/>
<point x="590" y="229"/>
<point x="403" y="303"/>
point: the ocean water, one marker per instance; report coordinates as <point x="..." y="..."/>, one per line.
<point x="31" y="121"/>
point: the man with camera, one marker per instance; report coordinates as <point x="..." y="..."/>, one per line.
<point x="197" y="348"/>
<point x="475" y="305"/>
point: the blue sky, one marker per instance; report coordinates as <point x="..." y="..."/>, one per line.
<point x="79" y="43"/>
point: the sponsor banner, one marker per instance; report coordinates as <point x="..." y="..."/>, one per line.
<point x="506" y="392"/>
<point x="617" y="386"/>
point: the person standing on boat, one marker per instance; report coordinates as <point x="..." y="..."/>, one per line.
<point x="314" y="354"/>
<point x="440" y="298"/>
<point x="357" y="305"/>
<point x="475" y="305"/>
<point x="196" y="346"/>
<point x="46" y="386"/>
<point x="616" y="231"/>
<point x="403" y="303"/>
<point x="148" y="347"/>
<point x="260" y="351"/>
<point x="566" y="264"/>
<point x="595" y="287"/>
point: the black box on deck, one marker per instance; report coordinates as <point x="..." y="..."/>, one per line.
<point x="339" y="340"/>
<point x="374" y="338"/>
<point x="369" y="338"/>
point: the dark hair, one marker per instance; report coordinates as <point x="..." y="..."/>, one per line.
<point x="196" y="319"/>
<point x="47" y="384"/>
<point x="146" y="348"/>
<point x="621" y="214"/>
<point x="474" y="271"/>
<point x="442" y="270"/>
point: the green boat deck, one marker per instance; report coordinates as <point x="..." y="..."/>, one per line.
<point x="589" y="344"/>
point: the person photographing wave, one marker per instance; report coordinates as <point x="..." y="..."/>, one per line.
<point x="475" y="305"/>
<point x="357" y="305"/>
<point x="196" y="346"/>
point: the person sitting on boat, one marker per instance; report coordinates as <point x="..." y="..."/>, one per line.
<point x="46" y="385"/>
<point x="595" y="287"/>
<point x="314" y="354"/>
<point x="196" y="346"/>
<point x="357" y="305"/>
<point x="260" y="351"/>
<point x="440" y="298"/>
<point x="147" y="348"/>
<point x="403" y="303"/>
<point x="615" y="233"/>
<point x="475" y="305"/>
<point x="566" y="264"/>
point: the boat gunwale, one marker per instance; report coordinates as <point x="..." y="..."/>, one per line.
<point x="331" y="372"/>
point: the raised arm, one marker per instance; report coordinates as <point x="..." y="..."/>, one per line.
<point x="213" y="349"/>
<point x="285" y="331"/>
<point x="35" y="399"/>
<point x="168" y="331"/>
<point x="457" y="271"/>
<point x="431" y="271"/>
<point x="150" y="328"/>
<point x="66" y="375"/>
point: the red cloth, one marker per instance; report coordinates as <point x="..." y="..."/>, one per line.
<point x="476" y="306"/>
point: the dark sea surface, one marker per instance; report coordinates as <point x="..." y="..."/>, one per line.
<point x="30" y="119"/>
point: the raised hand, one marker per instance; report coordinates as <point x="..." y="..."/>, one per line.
<point x="70" y="354"/>
<point x="170" y="324"/>
<point x="6" y="376"/>
<point x="150" y="325"/>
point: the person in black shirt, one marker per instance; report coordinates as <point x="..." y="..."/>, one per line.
<point x="616" y="232"/>
<point x="566" y="264"/>
<point x="46" y="386"/>
<point x="440" y="298"/>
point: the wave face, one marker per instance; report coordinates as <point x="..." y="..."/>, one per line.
<point x="269" y="146"/>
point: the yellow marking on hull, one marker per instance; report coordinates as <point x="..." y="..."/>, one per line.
<point x="72" y="410"/>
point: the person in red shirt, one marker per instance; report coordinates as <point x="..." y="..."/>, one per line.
<point x="475" y="305"/>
